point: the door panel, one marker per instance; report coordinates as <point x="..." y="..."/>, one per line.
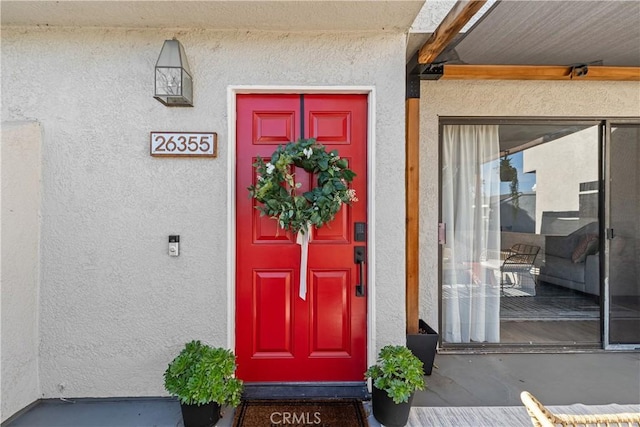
<point x="279" y="336"/>
<point x="624" y="237"/>
<point x="330" y="313"/>
<point x="273" y="128"/>
<point x="272" y="320"/>
<point x="331" y="127"/>
<point x="335" y="232"/>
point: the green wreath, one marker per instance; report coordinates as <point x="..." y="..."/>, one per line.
<point x="276" y="188"/>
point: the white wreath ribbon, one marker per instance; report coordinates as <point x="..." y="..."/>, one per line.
<point x="303" y="240"/>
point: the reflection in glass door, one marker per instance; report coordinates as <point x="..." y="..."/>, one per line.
<point x="623" y="242"/>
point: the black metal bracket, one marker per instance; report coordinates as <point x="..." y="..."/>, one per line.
<point x="579" y="70"/>
<point x="432" y="72"/>
<point x="417" y="72"/>
<point x="413" y="86"/>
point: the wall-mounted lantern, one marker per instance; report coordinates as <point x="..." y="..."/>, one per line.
<point x="174" y="85"/>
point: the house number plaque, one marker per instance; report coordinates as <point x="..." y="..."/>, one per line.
<point x="184" y="144"/>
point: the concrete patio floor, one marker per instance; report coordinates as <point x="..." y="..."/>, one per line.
<point x="163" y="412"/>
<point x="482" y="389"/>
<point x="594" y="378"/>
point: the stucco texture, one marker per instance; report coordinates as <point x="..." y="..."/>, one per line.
<point x="497" y="99"/>
<point x="20" y="165"/>
<point x="115" y="308"/>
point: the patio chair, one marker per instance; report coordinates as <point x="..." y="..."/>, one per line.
<point x="518" y="260"/>
<point x="542" y="417"/>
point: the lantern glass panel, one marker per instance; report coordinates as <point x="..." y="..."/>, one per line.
<point x="168" y="81"/>
<point x="187" y="87"/>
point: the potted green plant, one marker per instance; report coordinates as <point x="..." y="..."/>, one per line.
<point x="395" y="377"/>
<point x="203" y="379"/>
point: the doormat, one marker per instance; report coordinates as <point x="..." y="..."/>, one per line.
<point x="301" y="413"/>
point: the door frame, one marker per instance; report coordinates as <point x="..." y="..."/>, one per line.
<point x="606" y="201"/>
<point x="232" y="92"/>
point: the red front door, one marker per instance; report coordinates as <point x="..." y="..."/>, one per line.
<point x="280" y="336"/>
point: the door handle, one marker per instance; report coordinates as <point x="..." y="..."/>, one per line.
<point x="442" y="233"/>
<point x="359" y="256"/>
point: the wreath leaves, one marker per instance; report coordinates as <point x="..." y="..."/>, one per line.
<point x="277" y="190"/>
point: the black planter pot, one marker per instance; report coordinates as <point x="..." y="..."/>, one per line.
<point x="206" y="415"/>
<point x="387" y="412"/>
<point x="423" y="346"/>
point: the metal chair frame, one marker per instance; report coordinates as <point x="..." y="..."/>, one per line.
<point x="519" y="259"/>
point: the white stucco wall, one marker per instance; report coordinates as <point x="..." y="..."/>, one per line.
<point x="19" y="279"/>
<point x="497" y="99"/>
<point x="115" y="307"/>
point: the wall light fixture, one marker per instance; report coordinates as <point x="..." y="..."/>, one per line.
<point x="174" y="84"/>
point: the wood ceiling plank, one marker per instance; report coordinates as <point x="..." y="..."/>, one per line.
<point x="537" y="72"/>
<point x="450" y="26"/>
<point x="613" y="73"/>
<point x="504" y="72"/>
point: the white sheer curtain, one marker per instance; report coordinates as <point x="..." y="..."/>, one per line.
<point x="470" y="210"/>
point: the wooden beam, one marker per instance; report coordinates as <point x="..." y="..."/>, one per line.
<point x="456" y="19"/>
<point x="538" y="72"/>
<point x="412" y="189"/>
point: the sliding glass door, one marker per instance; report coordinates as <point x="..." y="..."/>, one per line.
<point x="541" y="223"/>
<point x="622" y="307"/>
<point x="520" y="209"/>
